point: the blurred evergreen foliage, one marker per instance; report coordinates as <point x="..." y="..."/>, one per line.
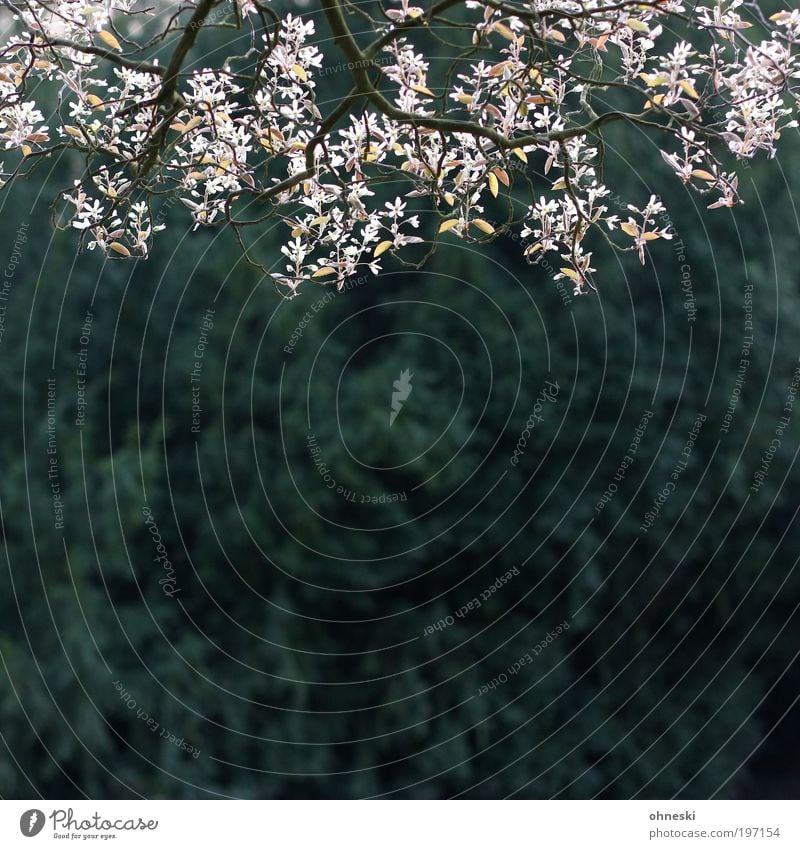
<point x="295" y="659"/>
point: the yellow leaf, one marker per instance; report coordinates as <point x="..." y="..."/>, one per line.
<point x="383" y="247"/>
<point x="324" y="272"/>
<point x="483" y="225"/>
<point x="703" y="175"/>
<point x="569" y="272"/>
<point x="73" y="131"/>
<point x="556" y="35"/>
<point x="637" y="26"/>
<point x="520" y="153"/>
<point x="449" y="198"/>
<point x="26" y="150"/>
<point x="300" y="72"/>
<point x="192" y="123"/>
<point x="95" y="101"/>
<point x="494" y="188"/>
<point x="448" y="225"/>
<point x="654" y="79"/>
<point x="650" y="237"/>
<point x="497" y="70"/>
<point x="119" y="248"/>
<point x="531" y="249"/>
<point x="421" y="89"/>
<point x="559" y="184"/>
<point x="504" y="31"/>
<point x="630" y="229"/>
<point x="109" y="38"/>
<point x="689" y="89"/>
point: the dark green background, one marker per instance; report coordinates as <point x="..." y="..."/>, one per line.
<point x="293" y="656"/>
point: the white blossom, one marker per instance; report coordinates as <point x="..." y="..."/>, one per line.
<point x="516" y="112"/>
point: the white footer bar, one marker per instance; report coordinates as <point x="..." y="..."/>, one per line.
<point x="402" y="824"/>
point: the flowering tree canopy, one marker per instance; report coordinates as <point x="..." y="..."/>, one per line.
<point x="502" y="128"/>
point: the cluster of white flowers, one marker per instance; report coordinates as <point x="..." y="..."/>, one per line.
<point x="523" y="103"/>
